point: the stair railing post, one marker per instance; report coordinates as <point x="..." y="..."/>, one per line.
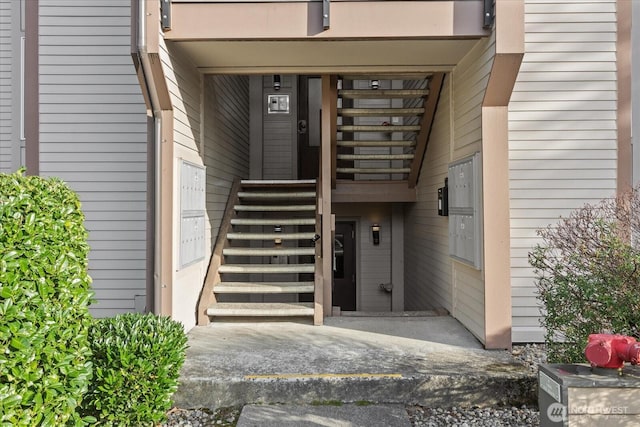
<point x="328" y="157"/>
<point x="207" y="297"/>
<point x="318" y="311"/>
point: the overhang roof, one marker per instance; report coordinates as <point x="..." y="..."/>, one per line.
<point x="264" y="37"/>
<point x="315" y="56"/>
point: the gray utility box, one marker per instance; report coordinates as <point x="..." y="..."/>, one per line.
<point x="577" y="395"/>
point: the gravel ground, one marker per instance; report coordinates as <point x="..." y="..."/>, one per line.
<point x="467" y="417"/>
<point x="529" y="354"/>
<point x="224" y="417"/>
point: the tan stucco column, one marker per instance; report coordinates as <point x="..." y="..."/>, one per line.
<point x="329" y="103"/>
<point x="509" y="28"/>
<point x="623" y="64"/>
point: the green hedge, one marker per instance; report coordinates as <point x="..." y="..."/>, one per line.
<point x="588" y="275"/>
<point x="44" y="296"/>
<point x="137" y="360"/>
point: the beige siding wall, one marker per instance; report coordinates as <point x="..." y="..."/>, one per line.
<point x="185" y="87"/>
<point x="562" y="130"/>
<point x="211" y="129"/>
<point x="433" y="278"/>
<point x="93" y="135"/>
<point x="226" y="141"/>
<point x="470" y="78"/>
<point x="427" y="263"/>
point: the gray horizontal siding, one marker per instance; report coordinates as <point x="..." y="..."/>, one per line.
<point x="93" y="129"/>
<point x="469" y="81"/>
<point x="428" y="279"/>
<point x="9" y="59"/>
<point x="226" y="135"/>
<point x="562" y="131"/>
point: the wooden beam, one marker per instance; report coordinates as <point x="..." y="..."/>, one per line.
<point x="333" y="124"/>
<point x="207" y="297"/>
<point x="422" y="140"/>
<point x="164" y="286"/>
<point x="328" y="156"/>
<point x="373" y="191"/>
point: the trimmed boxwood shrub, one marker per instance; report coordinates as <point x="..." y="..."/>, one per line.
<point x="137" y="360"/>
<point x="588" y="275"/>
<point x="44" y="296"/>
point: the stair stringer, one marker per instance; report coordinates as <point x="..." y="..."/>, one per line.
<point x="207" y="296"/>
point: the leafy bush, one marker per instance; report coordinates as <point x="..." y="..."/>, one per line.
<point x="588" y="275"/>
<point x="44" y="296"/>
<point x="137" y="359"/>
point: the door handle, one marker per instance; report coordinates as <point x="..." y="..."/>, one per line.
<point x="302" y="127"/>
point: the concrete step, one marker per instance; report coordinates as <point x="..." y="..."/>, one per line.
<point x="379" y="112"/>
<point x="273" y="309"/>
<point x="275" y="208"/>
<point x="266" y="268"/>
<point x="373" y="170"/>
<point x="389" y="76"/>
<point x="268" y="221"/>
<point x="378" y="128"/>
<point x="278" y="182"/>
<point x="431" y="361"/>
<point x="270" y="236"/>
<point x="268" y="251"/>
<point x="376" y="143"/>
<point x="264" y="287"/>
<point x="375" y="156"/>
<point x="352" y="415"/>
<point x="287" y="195"/>
<point x="382" y="93"/>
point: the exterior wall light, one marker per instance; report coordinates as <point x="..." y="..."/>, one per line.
<point x="277" y="240"/>
<point x="276" y="82"/>
<point x="375" y="84"/>
<point x="375" y="232"/>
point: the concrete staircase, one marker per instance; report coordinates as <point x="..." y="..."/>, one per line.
<point x="383" y="125"/>
<point x="376" y="142"/>
<point x="267" y="264"/>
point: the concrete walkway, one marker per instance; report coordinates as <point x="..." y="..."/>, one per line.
<point x="327" y="416"/>
<point x="431" y="361"/>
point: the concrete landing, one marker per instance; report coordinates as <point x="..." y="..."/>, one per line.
<point x="431" y="361"/>
<point x="324" y="415"/>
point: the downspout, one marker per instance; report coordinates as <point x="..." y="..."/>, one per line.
<point x="635" y="91"/>
<point x="154" y="107"/>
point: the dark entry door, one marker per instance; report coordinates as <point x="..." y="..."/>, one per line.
<point x="344" y="267"/>
<point x="309" y="104"/>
